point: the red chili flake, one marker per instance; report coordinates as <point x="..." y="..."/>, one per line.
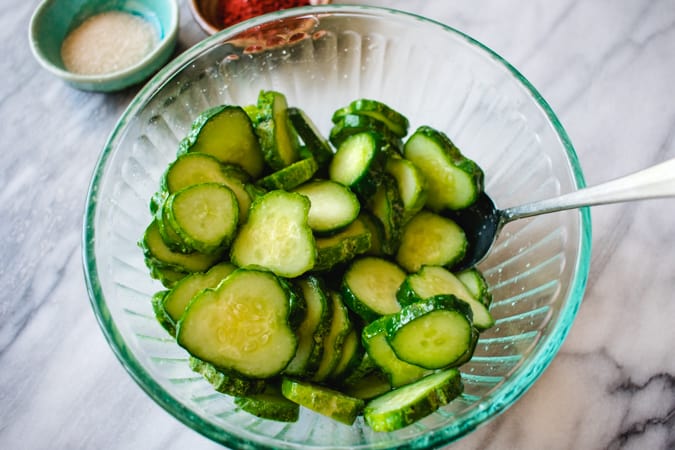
<point x="235" y="11"/>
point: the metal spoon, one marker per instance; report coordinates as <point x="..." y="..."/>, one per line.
<point x="482" y="221"/>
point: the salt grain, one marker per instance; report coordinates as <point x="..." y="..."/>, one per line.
<point x="108" y="42"/>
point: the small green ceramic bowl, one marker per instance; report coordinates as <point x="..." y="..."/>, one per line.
<point x="54" y="19"/>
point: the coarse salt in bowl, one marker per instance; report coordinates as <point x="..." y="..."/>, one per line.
<point x="103" y="45"/>
<point x="322" y="58"/>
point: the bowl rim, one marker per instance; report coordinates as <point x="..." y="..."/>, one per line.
<point x="168" y="39"/>
<point x="517" y="385"/>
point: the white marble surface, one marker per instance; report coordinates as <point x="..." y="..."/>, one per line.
<point x="607" y="68"/>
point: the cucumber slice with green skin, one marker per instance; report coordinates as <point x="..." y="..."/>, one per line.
<point x="475" y="282"/>
<point x="160" y="313"/>
<point x="192" y="168"/>
<point x="244" y="325"/>
<point x="226" y="132"/>
<point x="169" y="277"/>
<point x="175" y="302"/>
<point x="376" y="230"/>
<point x="333" y="342"/>
<point x="404" y="406"/>
<point x="454" y="181"/>
<point x="276" y="236"/>
<point x="397" y="371"/>
<point x="224" y="382"/>
<point x="435" y="280"/>
<point x="369" y="287"/>
<point x="315" y="143"/>
<point x="205" y="216"/>
<point x="313" y="329"/>
<point x="170" y="237"/>
<point x="159" y="255"/>
<point x="333" y="206"/>
<point x="351" y="124"/>
<point x="433" y="333"/>
<point x="278" y="140"/>
<point x="368" y="386"/>
<point x="342" y="246"/>
<point x="352" y="353"/>
<point x="290" y="176"/>
<point x="411" y="185"/>
<point x="269" y="404"/>
<point x="387" y="206"/>
<point x="323" y="400"/>
<point x="430" y="239"/>
<point x="396" y="122"/>
<point x="358" y="163"/>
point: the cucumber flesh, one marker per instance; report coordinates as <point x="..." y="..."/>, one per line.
<point x="226" y="132"/>
<point x="321" y="399"/>
<point x="333" y="206"/>
<point x="404" y="406"/>
<point x="430" y="239"/>
<point x="276" y="236"/>
<point x="205" y="216"/>
<point x="454" y="181"/>
<point x="433" y="333"/>
<point x="435" y="280"/>
<point x="370" y="285"/>
<point x="176" y="300"/>
<point x="398" y="372"/>
<point x="242" y="325"/>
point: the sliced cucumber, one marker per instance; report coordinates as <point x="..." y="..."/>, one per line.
<point x="333" y="342"/>
<point x="454" y="181"/>
<point x="270" y="404"/>
<point x="369" y="287"/>
<point x="404" y="406"/>
<point x="333" y="205"/>
<point x="357" y="163"/>
<point x="278" y="140"/>
<point x="411" y="185"/>
<point x="433" y="333"/>
<point x="205" y="216"/>
<point x="430" y="239"/>
<point x="192" y="168"/>
<point x="436" y="280"/>
<point x="290" y="176"/>
<point x="169" y="235"/>
<point x="243" y="325"/>
<point x="368" y="386"/>
<point x="313" y="329"/>
<point x="376" y="230"/>
<point x="160" y="313"/>
<point x="317" y="145"/>
<point x="325" y="401"/>
<point x="225" y="382"/>
<point x="276" y="236"/>
<point x="352" y="353"/>
<point x="351" y="124"/>
<point x="175" y="302"/>
<point x="396" y="122"/>
<point x="342" y="246"/>
<point x="159" y="256"/>
<point x="475" y="282"/>
<point x="387" y="206"/>
<point x="398" y="372"/>
<point x="226" y="132"/>
<point x="166" y="275"/>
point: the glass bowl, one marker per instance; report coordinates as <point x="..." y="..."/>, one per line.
<point x="321" y="58"/>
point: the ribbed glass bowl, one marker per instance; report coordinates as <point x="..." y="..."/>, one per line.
<point x="321" y="58"/>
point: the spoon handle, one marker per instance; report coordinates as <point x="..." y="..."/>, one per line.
<point x="653" y="182"/>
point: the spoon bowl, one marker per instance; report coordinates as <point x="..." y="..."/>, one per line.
<point x="483" y="221"/>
